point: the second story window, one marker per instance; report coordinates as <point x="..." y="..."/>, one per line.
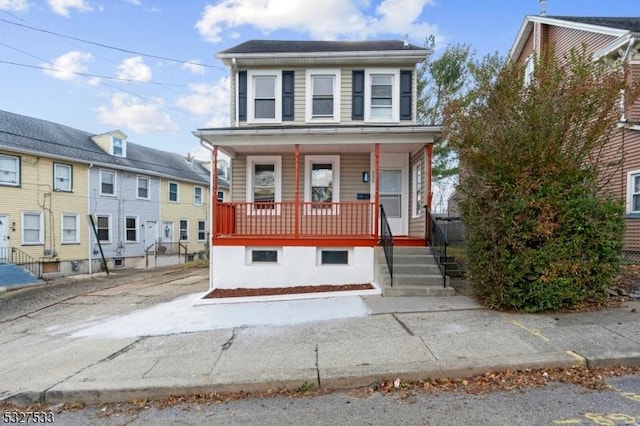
<point x="107" y="183"/>
<point x="173" y="192"/>
<point x="265" y="97"/>
<point x="62" y="177"/>
<point x="143" y="187"/>
<point x="197" y="195"/>
<point x="9" y="170"/>
<point x="323" y="99"/>
<point x="382" y="95"/>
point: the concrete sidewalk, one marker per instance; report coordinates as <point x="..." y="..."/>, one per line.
<point x="144" y="339"/>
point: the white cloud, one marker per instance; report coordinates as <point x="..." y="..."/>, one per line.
<point x="62" y="7"/>
<point x="194" y="67"/>
<point x="210" y="102"/>
<point x="134" y="2"/>
<point x="65" y="65"/>
<point x="134" y="69"/>
<point x="324" y="20"/>
<point x="14" y="5"/>
<point x="126" y="111"/>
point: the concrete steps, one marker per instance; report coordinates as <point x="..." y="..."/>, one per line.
<point x="415" y="273"/>
<point x="13" y="275"/>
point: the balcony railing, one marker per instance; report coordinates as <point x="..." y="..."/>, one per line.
<point x="290" y="219"/>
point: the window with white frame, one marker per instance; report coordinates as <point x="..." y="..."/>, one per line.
<point x="197" y="195"/>
<point x="322" y="180"/>
<point x="184" y="230"/>
<point x="131" y="229"/>
<point x="117" y="147"/>
<point x="529" y="69"/>
<point x="633" y="192"/>
<point x="264" y="91"/>
<point x="418" y="190"/>
<point x="382" y="95"/>
<point x="107" y="182"/>
<point x="264" y="183"/>
<point x="32" y="228"/>
<point x="323" y="95"/>
<point x="62" y="177"/>
<point x="103" y="228"/>
<point x="143" y="188"/>
<point x="70" y="228"/>
<point x="9" y="170"/>
<point x="173" y="192"/>
<point x="202" y="230"/>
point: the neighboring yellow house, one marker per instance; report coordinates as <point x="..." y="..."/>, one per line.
<point x="45" y="209"/>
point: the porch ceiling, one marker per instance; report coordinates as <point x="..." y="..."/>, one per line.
<point x="335" y="148"/>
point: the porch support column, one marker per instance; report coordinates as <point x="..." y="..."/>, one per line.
<point x="429" y="148"/>
<point x="214" y="201"/>
<point x="297" y="191"/>
<point x="376" y="197"/>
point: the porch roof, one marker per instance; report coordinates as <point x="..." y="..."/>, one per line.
<point x="342" y="138"/>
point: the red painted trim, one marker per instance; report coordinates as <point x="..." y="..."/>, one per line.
<point x="297" y="192"/>
<point x="429" y="174"/>
<point x="214" y="208"/>
<point x="377" y="190"/>
<point x="409" y="242"/>
<point x="296" y="242"/>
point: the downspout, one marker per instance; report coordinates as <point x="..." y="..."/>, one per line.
<point x="90" y="232"/>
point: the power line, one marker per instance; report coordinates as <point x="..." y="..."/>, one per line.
<point x="106" y="46"/>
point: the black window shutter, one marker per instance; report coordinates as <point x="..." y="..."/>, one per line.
<point x="242" y="95"/>
<point x="405" y="95"/>
<point x="287" y="96"/>
<point x="357" y="103"/>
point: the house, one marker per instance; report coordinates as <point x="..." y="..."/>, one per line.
<point x="77" y="196"/>
<point x="615" y="37"/>
<point x="322" y="133"/>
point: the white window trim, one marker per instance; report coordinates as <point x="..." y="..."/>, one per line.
<point x="276" y="160"/>
<point x="629" y="203"/>
<point x="336" y="73"/>
<point x="138" y="179"/>
<point x="395" y="95"/>
<point x="249" y="256"/>
<point x="206" y="229"/>
<point x="124" y="147"/>
<point x="137" y="228"/>
<point x="416" y="211"/>
<point x="177" y="200"/>
<point x="110" y="228"/>
<point x="251" y="96"/>
<point x="18" y="171"/>
<point x="77" y="240"/>
<point x="195" y="203"/>
<point x="55" y="177"/>
<point x="114" y="183"/>
<point x="349" y="251"/>
<point x="41" y="230"/>
<point x="180" y="230"/>
<point x="335" y="196"/>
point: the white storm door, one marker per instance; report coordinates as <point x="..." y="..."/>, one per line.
<point x="167" y="232"/>
<point x="150" y="233"/>
<point x="4" y="239"/>
<point x="394" y="191"/>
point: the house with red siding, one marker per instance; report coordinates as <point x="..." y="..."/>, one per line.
<point x="327" y="159"/>
<point x="617" y="38"/>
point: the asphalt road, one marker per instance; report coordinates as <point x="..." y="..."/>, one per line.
<point x="554" y="404"/>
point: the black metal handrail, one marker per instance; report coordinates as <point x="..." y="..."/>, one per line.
<point x="23" y="260"/>
<point x="386" y="241"/>
<point x="166" y="249"/>
<point x="438" y="243"/>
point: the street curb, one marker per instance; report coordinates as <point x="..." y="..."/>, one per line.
<point x="337" y="381"/>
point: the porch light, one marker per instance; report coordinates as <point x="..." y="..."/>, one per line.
<point x="365" y="176"/>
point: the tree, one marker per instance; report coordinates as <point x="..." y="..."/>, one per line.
<point x="541" y="235"/>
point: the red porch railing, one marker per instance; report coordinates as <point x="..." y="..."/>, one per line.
<point x="288" y="219"/>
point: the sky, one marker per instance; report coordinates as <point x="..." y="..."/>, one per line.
<point x="148" y="67"/>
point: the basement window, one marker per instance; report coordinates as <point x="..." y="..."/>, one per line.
<point x="334" y="257"/>
<point x="118" y="262"/>
<point x="263" y="256"/>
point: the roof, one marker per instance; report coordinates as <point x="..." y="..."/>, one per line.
<point x="296" y="46"/>
<point x="24" y="134"/>
<point x="620" y="28"/>
<point x="617" y="22"/>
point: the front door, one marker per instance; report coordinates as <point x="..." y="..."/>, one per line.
<point x="150" y="233"/>
<point x="166" y="235"/>
<point x="394" y="190"/>
<point x="4" y="239"/>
